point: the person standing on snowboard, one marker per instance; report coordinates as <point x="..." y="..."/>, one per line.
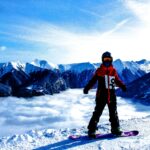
<point x="107" y="78"/>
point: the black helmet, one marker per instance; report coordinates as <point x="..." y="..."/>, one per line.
<point x="107" y="55"/>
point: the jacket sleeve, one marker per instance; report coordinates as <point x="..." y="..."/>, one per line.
<point x="91" y="82"/>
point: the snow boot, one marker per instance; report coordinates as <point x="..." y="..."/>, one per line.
<point x="92" y="134"/>
<point x="116" y="131"/>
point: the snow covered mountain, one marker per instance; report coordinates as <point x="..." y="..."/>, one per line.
<point x="10" y="66"/>
<point x="144" y="65"/>
<point x="77" y="75"/>
<point x="30" y="68"/>
<point x="129" y="70"/>
<point x="29" y="80"/>
<point x="44" y="64"/>
<point x="41" y="77"/>
<point x="138" y="89"/>
<point x="12" y="76"/>
<point x="78" y="67"/>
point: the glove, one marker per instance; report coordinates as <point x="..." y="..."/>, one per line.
<point x="124" y="88"/>
<point x="85" y="90"/>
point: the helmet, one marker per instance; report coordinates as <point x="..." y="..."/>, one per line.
<point x="107" y="59"/>
<point x="106" y="54"/>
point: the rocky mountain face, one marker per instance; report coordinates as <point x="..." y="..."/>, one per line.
<point x="138" y="89"/>
<point x="29" y="80"/>
<point x="77" y="80"/>
<point x="128" y="71"/>
<point x="41" y="77"/>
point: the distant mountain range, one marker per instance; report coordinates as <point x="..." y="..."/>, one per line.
<point x="138" y="89"/>
<point x="41" y="77"/>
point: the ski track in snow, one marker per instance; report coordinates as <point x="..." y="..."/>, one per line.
<point x="132" y="117"/>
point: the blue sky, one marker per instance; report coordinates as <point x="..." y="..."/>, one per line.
<point x="70" y="31"/>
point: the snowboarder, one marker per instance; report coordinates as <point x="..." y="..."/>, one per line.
<point x="107" y="78"/>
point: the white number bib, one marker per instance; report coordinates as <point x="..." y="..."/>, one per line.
<point x="109" y="82"/>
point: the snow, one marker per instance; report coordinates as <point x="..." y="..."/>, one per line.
<point x="45" y="122"/>
<point x="132" y="66"/>
<point x="44" y="64"/>
<point x="29" y="68"/>
<point x="39" y="65"/>
<point x="119" y="65"/>
<point x="17" y="65"/>
<point x="9" y="66"/>
<point x="145" y="67"/>
<point x="78" y="67"/>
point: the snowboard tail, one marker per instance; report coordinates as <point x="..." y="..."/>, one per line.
<point x="105" y="136"/>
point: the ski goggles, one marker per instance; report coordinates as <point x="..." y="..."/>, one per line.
<point x="107" y="59"/>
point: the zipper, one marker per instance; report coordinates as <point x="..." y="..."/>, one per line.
<point x="108" y="97"/>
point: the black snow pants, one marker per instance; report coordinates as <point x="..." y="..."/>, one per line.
<point x="101" y="101"/>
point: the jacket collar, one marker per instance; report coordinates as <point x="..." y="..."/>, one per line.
<point x="104" y="67"/>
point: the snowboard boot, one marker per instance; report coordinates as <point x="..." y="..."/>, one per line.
<point x="116" y="131"/>
<point x="92" y="134"/>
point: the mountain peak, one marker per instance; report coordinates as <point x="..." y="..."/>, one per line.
<point x="44" y="64"/>
<point x="77" y="67"/>
<point x="142" y="61"/>
<point x="16" y="65"/>
<point x="9" y="66"/>
<point x="119" y="65"/>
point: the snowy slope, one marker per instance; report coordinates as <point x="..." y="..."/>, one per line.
<point x="64" y="114"/>
<point x="49" y="139"/>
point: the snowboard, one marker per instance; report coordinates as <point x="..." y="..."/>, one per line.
<point x="104" y="136"/>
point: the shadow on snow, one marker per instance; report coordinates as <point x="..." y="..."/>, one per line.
<point x="69" y="143"/>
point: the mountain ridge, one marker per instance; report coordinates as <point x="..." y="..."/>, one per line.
<point x="41" y="77"/>
<point x="138" y="89"/>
